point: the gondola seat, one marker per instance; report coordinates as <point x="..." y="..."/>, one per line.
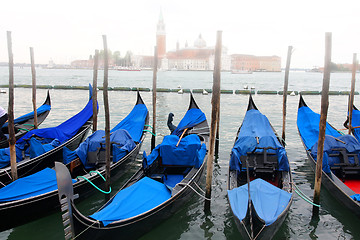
<point x="345" y="167"/>
<point x="261" y="162"/>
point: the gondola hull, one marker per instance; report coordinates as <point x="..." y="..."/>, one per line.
<point x="26" y="125"/>
<point x="252" y="226"/>
<point x="34" y="208"/>
<point x="152" y="194"/>
<point x="337" y="188"/>
<point x="30" y="166"/>
<point x="137" y="226"/>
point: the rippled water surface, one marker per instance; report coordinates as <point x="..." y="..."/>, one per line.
<point x="191" y="222"/>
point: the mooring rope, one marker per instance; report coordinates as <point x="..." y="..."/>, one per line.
<point x="187" y="184"/>
<point x="304" y="197"/>
<point x="145" y="130"/>
<point x="24" y="129"/>
<point x="93" y="183"/>
<point x="86" y="229"/>
<point x="260" y="231"/>
<point x="149" y="126"/>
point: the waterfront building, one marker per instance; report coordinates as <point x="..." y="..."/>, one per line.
<point x="242" y="62"/>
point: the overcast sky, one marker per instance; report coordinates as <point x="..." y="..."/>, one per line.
<point x="67" y="30"/>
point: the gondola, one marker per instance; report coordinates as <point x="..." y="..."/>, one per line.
<point x="25" y="123"/>
<point x="258" y="159"/>
<point x="163" y="184"/>
<point x="40" y="148"/>
<point x="340" y="170"/>
<point x="36" y="196"/>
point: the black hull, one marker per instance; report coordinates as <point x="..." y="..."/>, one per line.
<point x="260" y="230"/>
<point x="30" y="166"/>
<point x="24" y="127"/>
<point x="331" y="182"/>
<point x="337" y="188"/>
<point x="267" y="233"/>
<point x="135" y="227"/>
<point x="40" y="206"/>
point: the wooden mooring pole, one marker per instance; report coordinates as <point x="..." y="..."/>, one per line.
<point x="154" y="97"/>
<point x="107" y="116"/>
<point x="33" y="74"/>
<point x="94" y="95"/>
<point x="215" y="102"/>
<point x="217" y="138"/>
<point x="352" y="92"/>
<point x="11" y="129"/>
<point x="286" y="83"/>
<point x="322" y="125"/>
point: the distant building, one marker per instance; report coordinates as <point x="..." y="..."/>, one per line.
<point x="244" y="62"/>
<point x="82" y="64"/>
<point x="198" y="57"/>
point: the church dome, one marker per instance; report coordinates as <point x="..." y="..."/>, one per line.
<point x="200" y="43"/>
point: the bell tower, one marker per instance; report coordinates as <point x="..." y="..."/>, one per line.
<point x="161" y="37"/>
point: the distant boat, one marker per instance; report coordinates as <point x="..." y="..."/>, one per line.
<point x="241" y="72"/>
<point x="2" y="91"/>
<point x="127" y="69"/>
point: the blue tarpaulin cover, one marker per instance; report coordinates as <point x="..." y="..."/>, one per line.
<point x="30" y="186"/>
<point x="352" y="146"/>
<point x="134" y="122"/>
<point x="269" y="201"/>
<point x="189" y="152"/>
<point x="123" y="137"/>
<point x="170" y="180"/>
<point x="192" y="117"/>
<point x="37" y="147"/>
<point x="255" y="125"/>
<point x="308" y="125"/>
<point x="356" y="197"/>
<point x="62" y="132"/>
<point x="5" y="156"/>
<point x="355" y="122"/>
<point x="134" y="200"/>
<point x="120" y="139"/>
<point x="39" y="110"/>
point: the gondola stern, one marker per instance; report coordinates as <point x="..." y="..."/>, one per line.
<point x="47" y="100"/>
<point x="193" y="103"/>
<point x="251" y="104"/>
<point x="139" y="99"/>
<point x="302" y="102"/>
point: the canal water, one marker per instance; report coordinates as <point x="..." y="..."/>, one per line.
<point x="191" y="222"/>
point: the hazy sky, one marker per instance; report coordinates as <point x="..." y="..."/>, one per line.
<point x="72" y="29"/>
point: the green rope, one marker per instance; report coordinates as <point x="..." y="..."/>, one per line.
<point x="149" y="126"/>
<point x="24" y="129"/>
<point x="32" y="125"/>
<point x="150" y="132"/>
<point x="93" y="183"/>
<point x="340" y="132"/>
<point x="304" y="197"/>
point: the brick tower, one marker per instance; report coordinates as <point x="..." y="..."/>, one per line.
<point x="161" y="37"/>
